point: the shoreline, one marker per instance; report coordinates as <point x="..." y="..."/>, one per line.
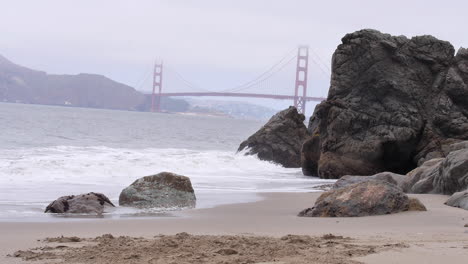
<point x="437" y="233"/>
<point x="129" y="213"/>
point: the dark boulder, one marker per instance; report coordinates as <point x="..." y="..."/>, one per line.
<point x="393" y="103"/>
<point x="280" y="139"/>
<point x="163" y="190"/>
<point x="360" y="199"/>
<point x="459" y="199"/>
<point x="90" y="203"/>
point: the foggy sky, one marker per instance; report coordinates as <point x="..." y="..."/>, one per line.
<point x="216" y="44"/>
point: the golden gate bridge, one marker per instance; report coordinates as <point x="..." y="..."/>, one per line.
<point x="299" y="98"/>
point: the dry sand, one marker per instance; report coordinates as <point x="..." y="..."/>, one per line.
<point x="254" y="232"/>
<point x="185" y="248"/>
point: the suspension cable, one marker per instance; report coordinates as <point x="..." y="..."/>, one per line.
<point x="263" y="74"/>
<point x="266" y="77"/>
<point x="142" y="80"/>
<point x="322" y="64"/>
<point x="187" y="83"/>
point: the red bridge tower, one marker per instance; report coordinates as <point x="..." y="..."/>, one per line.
<point x="157" y="87"/>
<point x="300" y="91"/>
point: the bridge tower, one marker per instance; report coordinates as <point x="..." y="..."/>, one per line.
<point x="300" y="91"/>
<point x="157" y="87"/>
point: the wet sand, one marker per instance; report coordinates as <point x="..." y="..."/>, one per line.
<point x="427" y="237"/>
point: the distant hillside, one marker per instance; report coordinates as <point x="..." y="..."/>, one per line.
<point x="23" y="85"/>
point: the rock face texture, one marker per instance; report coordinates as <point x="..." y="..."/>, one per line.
<point x="441" y="176"/>
<point x="163" y="190"/>
<point x="459" y="199"/>
<point x="453" y="173"/>
<point x="388" y="177"/>
<point x="393" y="103"/>
<point x="420" y="180"/>
<point x="360" y="199"/>
<point x="280" y="139"/>
<point x="90" y="203"/>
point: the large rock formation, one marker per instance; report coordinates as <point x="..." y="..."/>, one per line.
<point x="362" y="199"/>
<point x="163" y="190"/>
<point x="393" y="103"/>
<point x="90" y="203"/>
<point x="280" y="139"/>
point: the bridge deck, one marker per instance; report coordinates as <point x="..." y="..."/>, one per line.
<point x="251" y="95"/>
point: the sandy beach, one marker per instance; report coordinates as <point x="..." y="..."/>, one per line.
<point x="233" y="132"/>
<point x="435" y="236"/>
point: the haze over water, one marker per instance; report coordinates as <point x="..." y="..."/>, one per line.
<point x="47" y="152"/>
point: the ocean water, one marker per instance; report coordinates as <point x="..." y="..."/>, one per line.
<point x="47" y="152"/>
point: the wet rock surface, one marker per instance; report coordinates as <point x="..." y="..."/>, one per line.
<point x="393" y="104"/>
<point x="360" y="199"/>
<point x="90" y="203"/>
<point x="163" y="190"/>
<point x="280" y="139"/>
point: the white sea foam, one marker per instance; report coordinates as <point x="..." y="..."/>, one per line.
<point x="32" y="177"/>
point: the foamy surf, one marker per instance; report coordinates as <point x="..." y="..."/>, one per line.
<point x="30" y="178"/>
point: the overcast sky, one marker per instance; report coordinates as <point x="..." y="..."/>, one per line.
<point x="216" y="44"/>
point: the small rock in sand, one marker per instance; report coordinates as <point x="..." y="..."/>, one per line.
<point x="163" y="190"/>
<point x="331" y="236"/>
<point x="227" y="251"/>
<point x="416" y="205"/>
<point x="63" y="239"/>
<point x="89" y="203"/>
<point x="360" y="199"/>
